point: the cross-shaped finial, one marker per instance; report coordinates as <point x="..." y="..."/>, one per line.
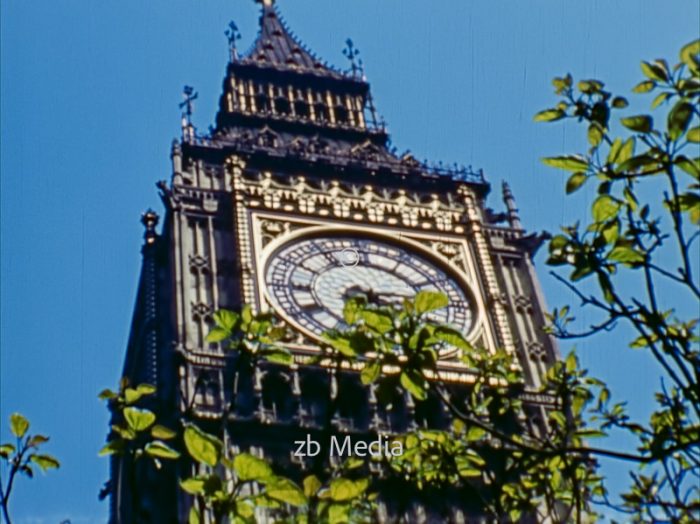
<point x="351" y="53"/>
<point x="232" y="34"/>
<point x="190" y="96"/>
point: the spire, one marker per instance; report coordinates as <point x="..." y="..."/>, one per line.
<point x="149" y="219"/>
<point x="509" y="201"/>
<point x="277" y="46"/>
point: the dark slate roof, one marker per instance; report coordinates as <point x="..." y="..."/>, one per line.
<point x="276" y="46"/>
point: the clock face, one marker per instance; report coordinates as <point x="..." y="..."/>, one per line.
<point x="310" y="280"/>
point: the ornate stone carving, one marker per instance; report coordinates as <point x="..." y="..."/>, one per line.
<point x="523" y="303"/>
<point x="536" y="351"/>
<point x="199" y="264"/>
<point x="201" y="311"/>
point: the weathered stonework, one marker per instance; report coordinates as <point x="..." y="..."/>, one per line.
<point x="297" y="151"/>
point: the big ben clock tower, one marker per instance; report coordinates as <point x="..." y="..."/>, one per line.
<point x="292" y="203"/>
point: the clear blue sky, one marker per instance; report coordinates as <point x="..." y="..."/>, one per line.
<point x="89" y="108"/>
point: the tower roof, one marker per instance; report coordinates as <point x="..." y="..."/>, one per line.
<point x="278" y="47"/>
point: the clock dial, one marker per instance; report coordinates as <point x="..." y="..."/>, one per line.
<point x="310" y="280"/>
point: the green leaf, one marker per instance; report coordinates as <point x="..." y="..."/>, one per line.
<point x="112" y="447"/>
<point x="338" y="514"/>
<point x="311" y="485"/>
<point x="660" y="99"/>
<point x="132" y="395"/>
<point x="620" y="102"/>
<point x="614" y="151"/>
<point x="560" y="84"/>
<point x="611" y="231"/>
<point x="370" y="372"/>
<point x="689" y="202"/>
<point x="690" y="55"/>
<point x="604" y="208"/>
<point x="146" y="389"/>
<point x="644" y="87"/>
<point x="639" y="342"/>
<point x="414" y="384"/>
<point x="626" y="151"/>
<point x="343" y="489"/>
<point x="549" y="115"/>
<point x="641" y="164"/>
<point x="693" y="135"/>
<point x="654" y="71"/>
<point x="575" y="181"/>
<point x="160" y="449"/>
<point x="679" y="118"/>
<point x="124" y="431"/>
<point x="590" y="433"/>
<point x="595" y="134"/>
<point x="139" y="419"/>
<point x="639" y="123"/>
<point x="378" y="321"/>
<point x="351" y="309"/>
<point x="249" y="467"/>
<point x="107" y="394"/>
<point x="606" y="288"/>
<point x="277" y="355"/>
<point x="452" y="337"/>
<point x="340" y="343"/>
<point x="193" y="485"/>
<point x="581" y="271"/>
<point x="45" y="462"/>
<point x="590" y="86"/>
<point x="626" y="255"/>
<point x="228" y="321"/>
<point x="162" y="433"/>
<point x="37" y="440"/>
<point x="217" y="334"/>
<point x="193" y="517"/>
<point x="284" y="490"/>
<point x="6" y="450"/>
<point x="245" y="508"/>
<point x="690" y="166"/>
<point x="246" y="315"/>
<point x="569" y="162"/>
<point x="18" y="425"/>
<point x="202" y="446"/>
<point x="429" y="301"/>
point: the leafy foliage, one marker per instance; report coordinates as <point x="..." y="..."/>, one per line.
<point x="543" y="468"/>
<point x="22" y="457"/>
<point x="515" y="468"/>
<point x="646" y="211"/>
<point x="251" y="336"/>
<point x="133" y="430"/>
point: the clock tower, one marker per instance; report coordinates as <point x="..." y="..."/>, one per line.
<point x="292" y="203"/>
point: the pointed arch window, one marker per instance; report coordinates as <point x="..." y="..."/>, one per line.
<point x="277" y="397"/>
<point x="321" y="109"/>
<point x="262" y="100"/>
<point x="341" y="112"/>
<point x="282" y="105"/>
<point x="301" y="104"/>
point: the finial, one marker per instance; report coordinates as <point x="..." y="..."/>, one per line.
<point x="351" y="53"/>
<point x="149" y="219"/>
<point x="188" y="105"/>
<point x="266" y="3"/>
<point x="190" y="96"/>
<point x="232" y="34"/>
<point x="509" y="201"/>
